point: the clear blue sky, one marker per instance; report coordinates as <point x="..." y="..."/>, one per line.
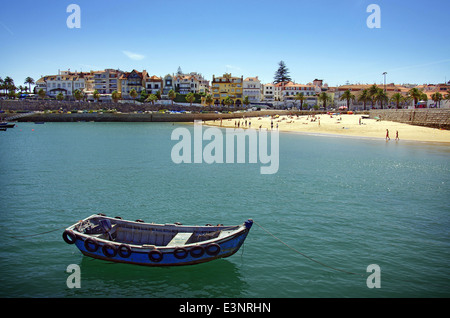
<point x="325" y="39"/>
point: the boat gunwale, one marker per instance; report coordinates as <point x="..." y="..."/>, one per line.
<point x="235" y="231"/>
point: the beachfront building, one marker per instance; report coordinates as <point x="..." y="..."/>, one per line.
<point x="106" y="81"/>
<point x="269" y="92"/>
<point x="190" y="83"/>
<point x="168" y="84"/>
<point x="132" y="80"/>
<point x="252" y="88"/>
<point x="153" y="84"/>
<point x="65" y="82"/>
<point x="227" y="87"/>
<point x="357" y="89"/>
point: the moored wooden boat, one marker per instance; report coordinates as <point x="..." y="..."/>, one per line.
<point x="136" y="242"/>
<point x="7" y="125"/>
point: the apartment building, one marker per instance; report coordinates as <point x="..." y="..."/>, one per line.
<point x="132" y="80"/>
<point x="227" y="86"/>
<point x="153" y="84"/>
<point x="252" y="89"/>
<point x="106" y="81"/>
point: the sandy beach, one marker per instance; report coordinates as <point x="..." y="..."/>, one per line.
<point x="345" y="125"/>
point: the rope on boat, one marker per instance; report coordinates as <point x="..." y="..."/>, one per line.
<point x="308" y="257"/>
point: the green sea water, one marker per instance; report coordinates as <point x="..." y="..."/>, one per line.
<point x="344" y="202"/>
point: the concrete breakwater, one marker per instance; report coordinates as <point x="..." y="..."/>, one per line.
<point x="428" y="117"/>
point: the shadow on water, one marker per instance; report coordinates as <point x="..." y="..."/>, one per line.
<point x="219" y="278"/>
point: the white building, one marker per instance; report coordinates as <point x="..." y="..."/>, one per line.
<point x="252" y="89"/>
<point x="65" y="82"/>
<point x="269" y="92"/>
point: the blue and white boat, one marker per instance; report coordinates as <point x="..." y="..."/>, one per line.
<point x="136" y="242"/>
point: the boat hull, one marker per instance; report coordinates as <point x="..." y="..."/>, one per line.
<point x="145" y="255"/>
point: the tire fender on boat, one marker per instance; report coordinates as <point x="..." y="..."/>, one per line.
<point x="88" y="244"/>
<point x="69" y="237"/>
<point x="155" y="256"/>
<point x="124" y="250"/>
<point x="109" y="250"/>
<point x="180" y="253"/>
<point x="212" y="249"/>
<point x="197" y="251"/>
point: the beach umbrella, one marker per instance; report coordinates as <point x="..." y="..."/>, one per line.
<point x="342" y="107"/>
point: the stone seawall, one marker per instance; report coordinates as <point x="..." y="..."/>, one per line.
<point x="430" y="117"/>
<point x="140" y="117"/>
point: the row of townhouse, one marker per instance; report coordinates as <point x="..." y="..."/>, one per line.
<point x="109" y="80"/>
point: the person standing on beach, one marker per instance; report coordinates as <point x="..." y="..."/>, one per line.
<point x="396" y="135"/>
<point x="387" y="135"/>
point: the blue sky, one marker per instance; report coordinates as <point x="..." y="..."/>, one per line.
<point x="324" y="39"/>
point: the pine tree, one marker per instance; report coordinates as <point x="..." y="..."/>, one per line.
<point x="282" y="74"/>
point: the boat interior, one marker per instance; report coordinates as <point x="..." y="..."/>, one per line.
<point x="136" y="233"/>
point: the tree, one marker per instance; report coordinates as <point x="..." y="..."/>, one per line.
<point x="228" y="101"/>
<point x="78" y="94"/>
<point x="190" y="98"/>
<point x="151" y="98"/>
<point x="29" y="81"/>
<point x="209" y="100"/>
<point x="301" y="97"/>
<point x="60" y="96"/>
<point x="246" y="101"/>
<point x="133" y="94"/>
<point x="381" y="96"/>
<point x="364" y="97"/>
<point x="348" y="96"/>
<point x="437" y="97"/>
<point x="397" y="98"/>
<point x="96" y="95"/>
<point x="324" y="98"/>
<point x="172" y="95"/>
<point x="373" y="90"/>
<point x="41" y="93"/>
<point x="282" y="74"/>
<point x="143" y="95"/>
<point x="415" y="94"/>
<point x="115" y="95"/>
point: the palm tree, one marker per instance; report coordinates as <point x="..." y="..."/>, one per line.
<point x="172" y="95"/>
<point x="437" y="97"/>
<point x="373" y="90"/>
<point x="301" y="97"/>
<point x="209" y="100"/>
<point x="133" y="95"/>
<point x="323" y="97"/>
<point x="190" y="98"/>
<point x="115" y="95"/>
<point x="96" y="95"/>
<point x="151" y="98"/>
<point x="364" y="97"/>
<point x="29" y="81"/>
<point x="381" y="96"/>
<point x="397" y="98"/>
<point x="78" y="94"/>
<point x="347" y="95"/>
<point x="228" y="101"/>
<point x="415" y="94"/>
